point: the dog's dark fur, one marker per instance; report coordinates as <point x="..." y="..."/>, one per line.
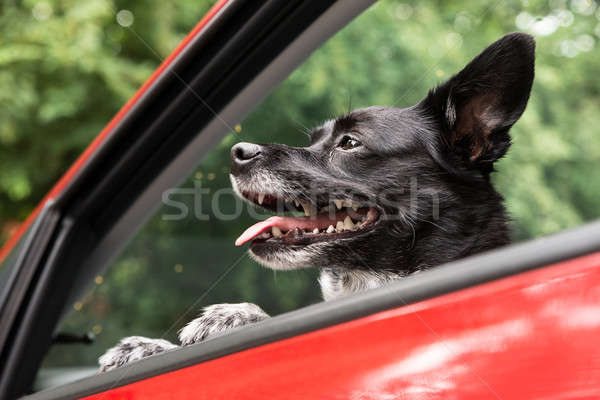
<point x="425" y="168"/>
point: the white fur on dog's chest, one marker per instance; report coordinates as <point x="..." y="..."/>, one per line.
<point x="338" y="283"/>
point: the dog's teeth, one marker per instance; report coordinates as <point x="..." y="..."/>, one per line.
<point x="276" y="232"/>
<point x="339" y="226"/>
<point x="265" y="235"/>
<point x="348" y="225"/>
<point x="330" y="229"/>
<point x="297" y="203"/>
<point x="355" y="206"/>
<point x="338" y="204"/>
<point x="306" y="208"/>
<point x="261" y="198"/>
<point x="346" y="203"/>
<point x="316" y="230"/>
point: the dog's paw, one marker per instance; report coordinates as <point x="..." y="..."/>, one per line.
<point x="218" y="318"/>
<point x="130" y="349"/>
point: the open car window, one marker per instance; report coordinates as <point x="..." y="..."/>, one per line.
<point x="184" y="257"/>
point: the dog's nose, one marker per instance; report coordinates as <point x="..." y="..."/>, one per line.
<point x="243" y="154"/>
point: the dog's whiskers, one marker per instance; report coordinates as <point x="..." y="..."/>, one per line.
<point x="432" y="223"/>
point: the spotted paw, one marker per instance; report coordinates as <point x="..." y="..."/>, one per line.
<point x="130" y="349"/>
<point x="219" y="318"/>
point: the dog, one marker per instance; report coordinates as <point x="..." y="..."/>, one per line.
<point x="387" y="191"/>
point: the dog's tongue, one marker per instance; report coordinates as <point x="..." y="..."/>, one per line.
<point x="321" y="221"/>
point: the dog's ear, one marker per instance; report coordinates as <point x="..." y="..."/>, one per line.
<point x="475" y="108"/>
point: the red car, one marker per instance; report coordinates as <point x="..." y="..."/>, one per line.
<point x="522" y="322"/>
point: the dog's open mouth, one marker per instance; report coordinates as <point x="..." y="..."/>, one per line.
<point x="322" y="222"/>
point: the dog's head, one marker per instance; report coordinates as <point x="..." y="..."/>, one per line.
<point x="388" y="188"/>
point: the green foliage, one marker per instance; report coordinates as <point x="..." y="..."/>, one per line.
<point x="66" y="67"/>
<point x="64" y="73"/>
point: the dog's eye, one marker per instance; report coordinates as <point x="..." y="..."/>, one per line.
<point x="349" y="143"/>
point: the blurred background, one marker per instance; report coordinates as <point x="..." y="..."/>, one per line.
<point x="67" y="66"/>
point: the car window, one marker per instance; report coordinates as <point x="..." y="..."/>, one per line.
<point x="184" y="257"/>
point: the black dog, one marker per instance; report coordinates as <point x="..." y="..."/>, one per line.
<point x="388" y="191"/>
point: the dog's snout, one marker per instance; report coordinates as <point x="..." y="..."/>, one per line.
<point x="242" y="154"/>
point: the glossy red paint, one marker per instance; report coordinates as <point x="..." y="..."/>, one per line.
<point x="531" y="336"/>
<point x="93" y="147"/>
